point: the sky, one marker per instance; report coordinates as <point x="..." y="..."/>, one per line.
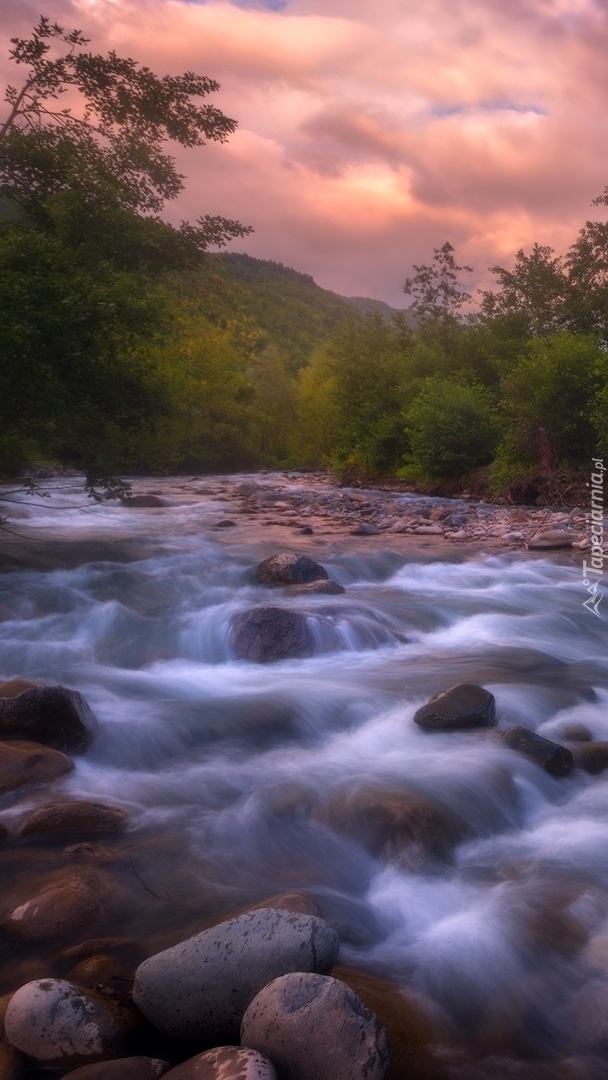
<point x="372" y="131"/>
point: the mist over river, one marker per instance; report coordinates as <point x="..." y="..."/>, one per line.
<point x="223" y="764"/>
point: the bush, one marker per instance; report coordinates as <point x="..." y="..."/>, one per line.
<point x="452" y="428"/>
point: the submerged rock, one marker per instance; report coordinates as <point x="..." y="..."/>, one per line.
<point x="23" y="763"/>
<point x="144" y="501"/>
<point x="265" y="634"/>
<point x="76" y="818"/>
<point x="591" y="756"/>
<point x="553" y="758"/>
<point x="328" y="587"/>
<point x="313" y="1026"/>
<point x="63" y="907"/>
<point x="52" y="715"/>
<point x="201" y="987"/>
<point x="462" y="706"/>
<point x="225" y="1063"/>
<point x="289" y="569"/>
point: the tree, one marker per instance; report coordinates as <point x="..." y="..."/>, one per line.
<point x="531" y="299"/>
<point x="438" y="294"/>
<point x="109" y="145"/>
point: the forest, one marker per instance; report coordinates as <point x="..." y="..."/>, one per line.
<point x="130" y="346"/>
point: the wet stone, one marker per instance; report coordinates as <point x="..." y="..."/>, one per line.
<point x="225" y="523"/>
<point x="555" y="759"/>
<point x="16" y="686"/>
<point x="144" y="501"/>
<point x="75" y="817"/>
<point x="266" y="634"/>
<point x="225" y="1063"/>
<point x="551" y="538"/>
<point x="460" y="707"/>
<point x="365" y="530"/>
<point x="201" y="987"/>
<point x="131" y="1068"/>
<point x="591" y="756"/>
<point x="63" y="907"/>
<point x="52" y="715"/>
<point x="289" y="569"/>
<point x="313" y="1026"/>
<point x="311" y="588"/>
<point x="23" y="763"/>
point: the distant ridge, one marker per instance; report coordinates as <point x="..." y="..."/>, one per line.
<point x="296" y="313"/>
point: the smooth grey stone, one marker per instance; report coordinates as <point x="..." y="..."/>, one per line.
<point x="313" y="1026"/>
<point x="201" y="987"/>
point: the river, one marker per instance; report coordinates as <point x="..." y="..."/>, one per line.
<point x="227" y="760"/>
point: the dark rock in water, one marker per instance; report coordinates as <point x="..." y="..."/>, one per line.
<point x="64" y="907"/>
<point x="265" y="634"/>
<point x="306" y="531"/>
<point x="144" y="501"/>
<point x="591" y="756"/>
<point x="392" y="824"/>
<point x="75" y="817"/>
<point x="225" y="523"/>
<point x="17" y="686"/>
<point x="462" y="706"/>
<point x="52" y="715"/>
<point x="551" y="538"/>
<point x="329" y="588"/>
<point x="23" y="763"/>
<point x="365" y="530"/>
<point x="225" y="1063"/>
<point x="201" y="987"/>
<point x="576" y="733"/>
<point x="55" y="1022"/>
<point x="313" y="1026"/>
<point x="132" y="1068"/>
<point x="555" y="759"/>
<point x="289" y="569"/>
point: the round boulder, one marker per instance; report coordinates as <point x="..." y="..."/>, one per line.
<point x="52" y="715"/>
<point x="460" y="707"/>
<point x="225" y="1063"/>
<point x="289" y="569"/>
<point x="23" y="763"/>
<point x="265" y="634"/>
<point x="64" y="907"/>
<point x="201" y="987"/>
<point x="57" y="1023"/>
<point x="131" y="1068"/>
<point x="75" y="818"/>
<point x="555" y="759"/>
<point x="313" y="1026"/>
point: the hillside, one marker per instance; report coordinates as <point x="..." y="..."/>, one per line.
<point x="296" y="313"/>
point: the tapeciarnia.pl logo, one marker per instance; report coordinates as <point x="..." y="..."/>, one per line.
<point x="595" y="569"/>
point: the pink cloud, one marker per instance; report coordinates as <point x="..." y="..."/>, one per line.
<point x="372" y="132"/>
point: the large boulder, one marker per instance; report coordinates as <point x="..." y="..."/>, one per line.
<point x="52" y="715"/>
<point x="313" y="1026"/>
<point x="555" y="759"/>
<point x="550" y="539"/>
<point x="265" y="634"/>
<point x="75" y="817"/>
<point x="392" y="823"/>
<point x="23" y="763"/>
<point x="57" y="1023"/>
<point x="201" y="987"/>
<point x="289" y="569"/>
<point x="225" y="1063"/>
<point x="64" y="907"/>
<point x="460" y="707"/>
<point x="131" y="1068"/>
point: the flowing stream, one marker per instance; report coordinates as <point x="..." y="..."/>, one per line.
<point x="227" y="760"/>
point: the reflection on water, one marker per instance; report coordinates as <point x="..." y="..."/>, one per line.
<point x="238" y="758"/>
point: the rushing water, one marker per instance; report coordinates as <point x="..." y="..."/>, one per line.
<point x="511" y="933"/>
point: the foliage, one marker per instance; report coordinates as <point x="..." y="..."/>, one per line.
<point x="452" y="428"/>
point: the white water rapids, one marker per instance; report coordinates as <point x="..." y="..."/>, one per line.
<point x="229" y="754"/>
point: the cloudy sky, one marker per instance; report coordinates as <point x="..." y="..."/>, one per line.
<point x="372" y="131"/>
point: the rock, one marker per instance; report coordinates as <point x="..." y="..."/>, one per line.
<point x="75" y="817"/>
<point x="591" y="756"/>
<point x="131" y="1068"/>
<point x="265" y="634"/>
<point x="395" y="824"/>
<point x="551" y="538"/>
<point x="306" y="531"/>
<point x="11" y="1065"/>
<point x="64" y="907"/>
<point x="555" y="759"/>
<point x="331" y="588"/>
<point x="299" y="902"/>
<point x="57" y="1023"/>
<point x="247" y="488"/>
<point x="17" y="686"/>
<point x="225" y="1063"/>
<point x="52" y="715"/>
<point x="201" y="987"/>
<point x="462" y="706"/>
<point x="225" y="523"/>
<point x="313" y="1026"/>
<point x="23" y="763"/>
<point x="429" y="530"/>
<point x="576" y="733"/>
<point x="409" y="1030"/>
<point x="144" y="501"/>
<point x="365" y="530"/>
<point x="289" y="569"/>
